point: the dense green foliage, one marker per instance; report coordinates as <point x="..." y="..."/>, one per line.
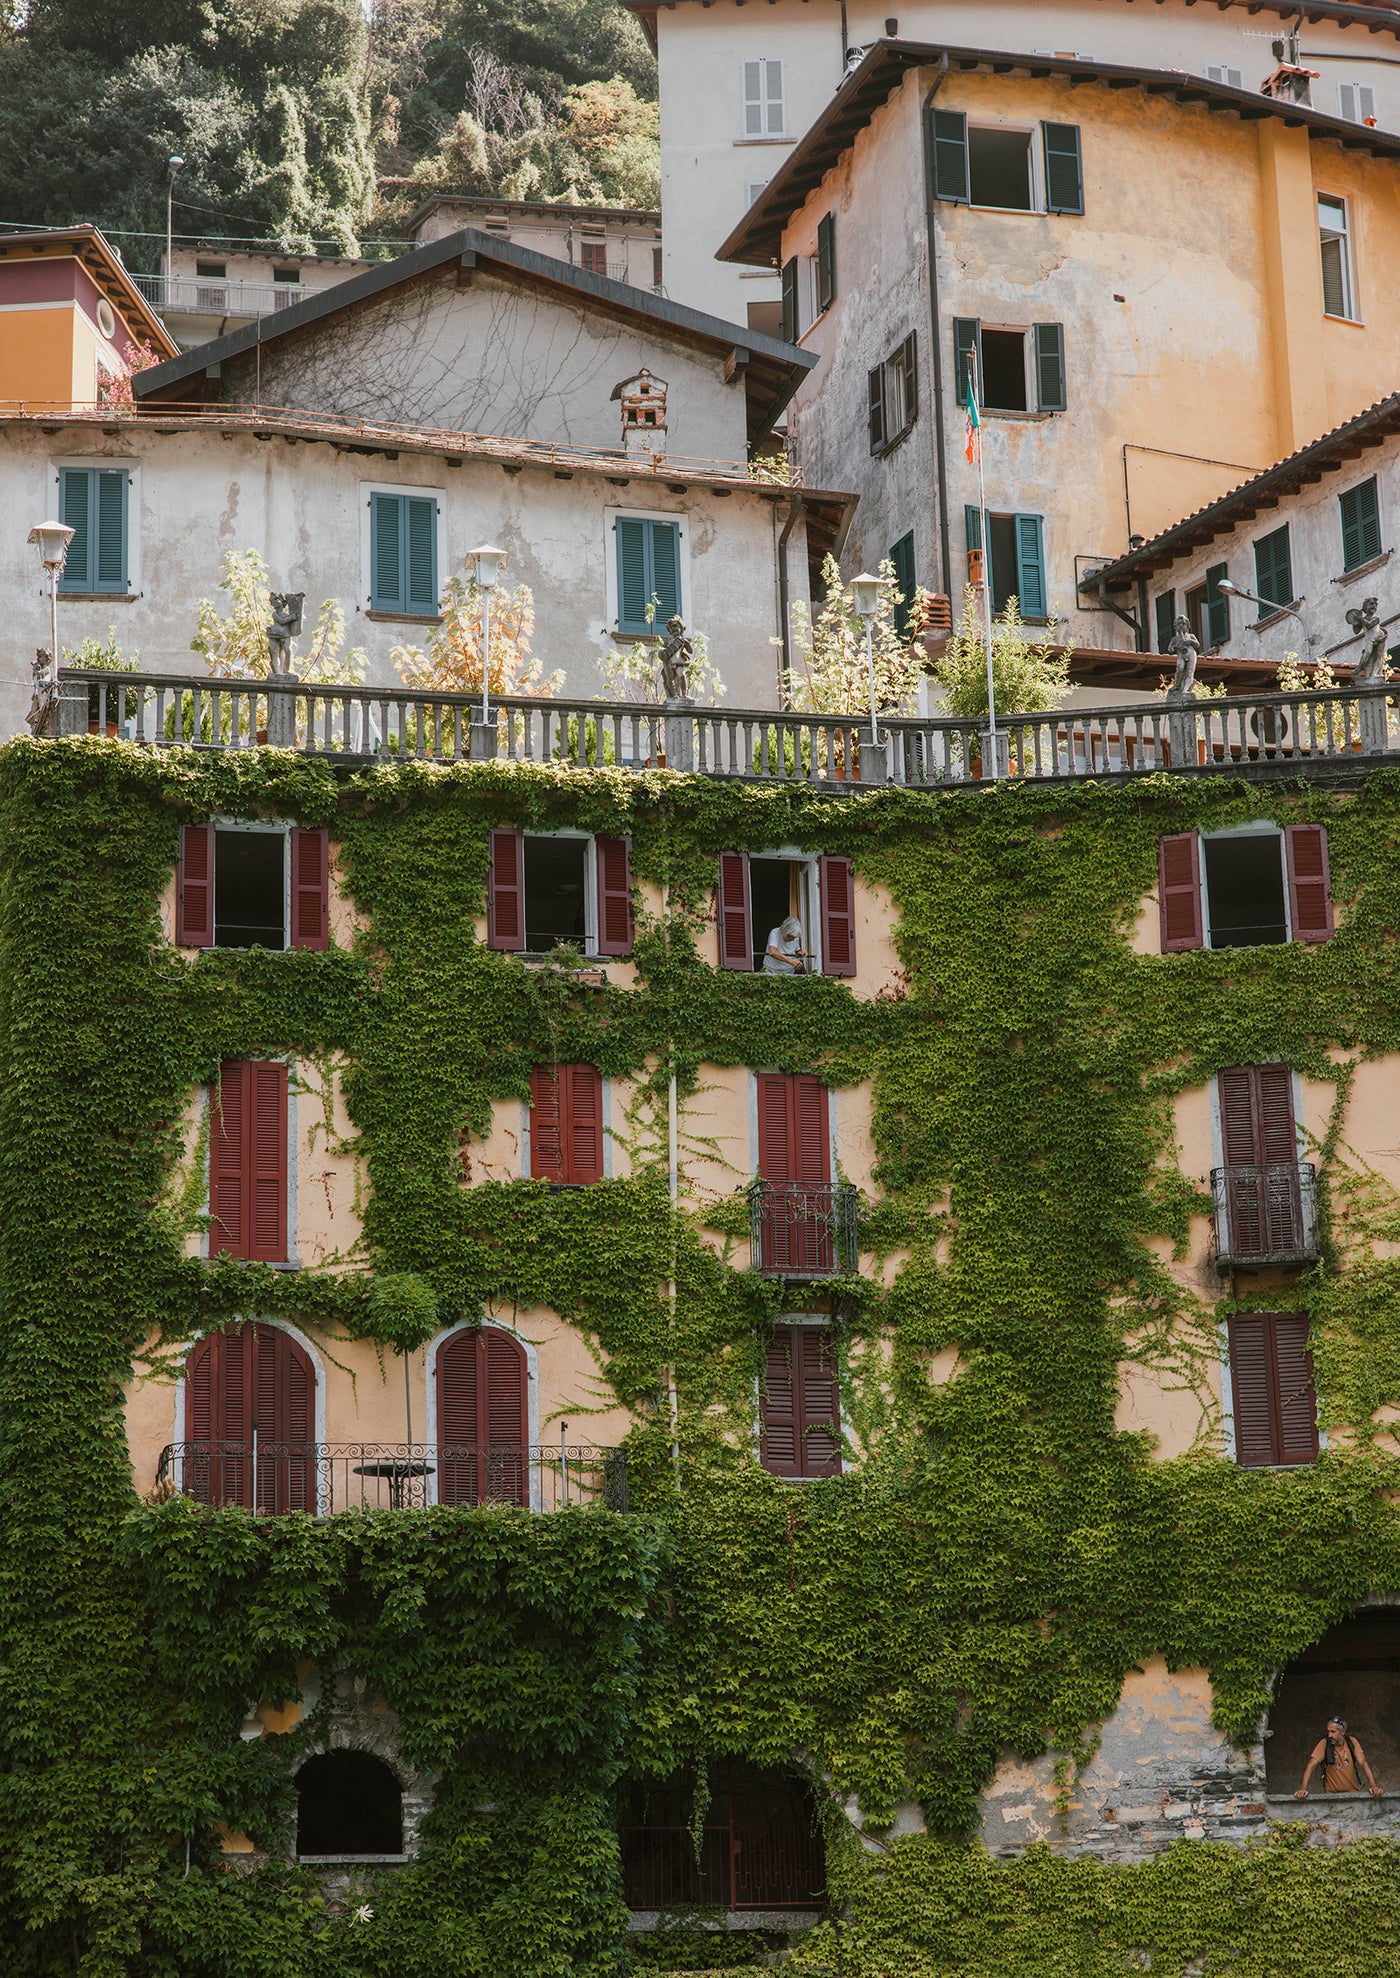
<point x="984" y="1580"/>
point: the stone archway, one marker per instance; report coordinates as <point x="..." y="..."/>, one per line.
<point x="1353" y="1671"/>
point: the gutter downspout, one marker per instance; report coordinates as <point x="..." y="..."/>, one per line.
<point x="940" y="449"/>
<point x="1127" y="617"/>
<point x="796" y="507"/>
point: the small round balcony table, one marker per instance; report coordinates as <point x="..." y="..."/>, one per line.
<point x="399" y="1470"/>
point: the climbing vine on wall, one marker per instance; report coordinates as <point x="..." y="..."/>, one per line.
<point x="1000" y="1559"/>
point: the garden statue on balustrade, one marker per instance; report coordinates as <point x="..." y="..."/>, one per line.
<point x="1186" y="648"/>
<point x="286" y="608"/>
<point x="677" y="658"/>
<point x="1371" y="668"/>
<point x="255" y="639"/>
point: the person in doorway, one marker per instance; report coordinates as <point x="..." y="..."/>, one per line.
<point x="1342" y="1760"/>
<point x="785" y="954"/>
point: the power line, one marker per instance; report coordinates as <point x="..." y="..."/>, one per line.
<point x="135" y="233"/>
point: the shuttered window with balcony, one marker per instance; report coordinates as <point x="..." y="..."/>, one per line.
<point x="242" y="1382"/>
<point x="482" y="1419"/>
<point x="1271" y="1379"/>
<point x="248" y="1162"/>
<point x="799" y="1404"/>
<point x="1264" y="1212"/>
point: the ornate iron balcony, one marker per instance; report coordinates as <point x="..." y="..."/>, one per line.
<point x="804" y="1229"/>
<point x="1265" y="1215"/>
<point x="324" y="1478"/>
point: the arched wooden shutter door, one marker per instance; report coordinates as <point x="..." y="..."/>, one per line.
<point x="837" y="887"/>
<point x="1309" y="882"/>
<point x="735" y="920"/>
<point x="310" y="889"/>
<point x="614" y="896"/>
<point x="239" y="1379"/>
<point x="505" y="892"/>
<point x="194" y="887"/>
<point x="1179" y="891"/>
<point x="482" y="1400"/>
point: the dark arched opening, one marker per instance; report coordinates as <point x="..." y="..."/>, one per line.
<point x="1352" y="1672"/>
<point x="760" y="1845"/>
<point x="348" y="1803"/>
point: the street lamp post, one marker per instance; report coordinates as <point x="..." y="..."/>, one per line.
<point x="1267" y="604"/>
<point x="174" y="164"/>
<point x="486" y="567"/>
<point x="865" y="596"/>
<point x="51" y="539"/>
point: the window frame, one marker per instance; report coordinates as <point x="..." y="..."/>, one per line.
<point x="1358" y="90"/>
<point x="891" y="435"/>
<point x="810" y="911"/>
<point x="590" y="891"/>
<point x="438" y="495"/>
<point x="1270" y="607"/>
<point x="1258" y="828"/>
<point x="612" y="573"/>
<point x="972" y="525"/>
<point x="1372" y="481"/>
<point x="1345" y="236"/>
<point x="87" y="463"/>
<point x="292" y="1262"/>
<point x="1229" y="1412"/>
<point x="265" y="827"/>
<point x="763" y="100"/>
<point x="1224" y="74"/>
<point x="1035" y="168"/>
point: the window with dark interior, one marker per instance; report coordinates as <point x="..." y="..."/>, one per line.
<point x="757" y="893"/>
<point x="1208" y="608"/>
<point x="1015" y="564"/>
<point x="349" y="1807"/>
<point x="759" y="1846"/>
<point x="546" y="892"/>
<point x="1352" y="1671"/>
<point x="248" y="887"/>
<point x="1004" y="370"/>
<point x="999" y="168"/>
<point x="1245" y="889"/>
<point x="1245" y="902"/>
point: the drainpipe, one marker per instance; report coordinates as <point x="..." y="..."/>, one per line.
<point x="940" y="451"/>
<point x="1144" y="639"/>
<point x="1127" y="617"/>
<point x="795" y="508"/>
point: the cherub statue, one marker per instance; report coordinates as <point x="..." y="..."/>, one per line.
<point x="1371" y="666"/>
<point x="286" y="623"/>
<point x="43" y="706"/>
<point x="1187" y="648"/>
<point x="677" y="658"/>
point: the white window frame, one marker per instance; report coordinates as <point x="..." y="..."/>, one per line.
<point x="810" y="887"/>
<point x="1361" y="94"/>
<point x="764" y="101"/>
<point x="1352" y="311"/>
<point x="754" y="190"/>
<point x="132" y="469"/>
<point x="611" y="515"/>
<point x="1223" y="72"/>
<point x="1261" y="828"/>
<point x="1033" y="153"/>
<point x="590" y="887"/>
<point x="366" y="490"/>
<point x="1028" y="378"/>
<point x="265" y="827"/>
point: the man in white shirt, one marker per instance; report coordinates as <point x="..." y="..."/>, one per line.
<point x="785" y="954"/>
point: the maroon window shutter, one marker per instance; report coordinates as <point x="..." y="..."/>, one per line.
<point x="735" y="920"/>
<point x="283" y="1392"/>
<point x="546" y="1123"/>
<point x="1309" y="882"/>
<point x="775" y="1147"/>
<point x="505" y="892"/>
<point x="1179" y="891"/>
<point x="1239" y="1132"/>
<point x="779" y="1446"/>
<point x="266" y="1211"/>
<point x="1297" y="1396"/>
<point x="819" y="1403"/>
<point x="1276" y="1135"/>
<point x="310" y="888"/>
<point x="194" y="887"/>
<point x="584" y="1123"/>
<point x="458" y="1424"/>
<point x="202" y="1380"/>
<point x="812" y="1134"/>
<point x="1252" y="1385"/>
<point x="836" y="883"/>
<point x="228" y="1158"/>
<point x="614" y="896"/>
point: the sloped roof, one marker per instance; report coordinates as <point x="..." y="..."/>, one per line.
<point x="758" y="236"/>
<point x="90" y="246"/>
<point x="772" y="369"/>
<point x="1265" y="490"/>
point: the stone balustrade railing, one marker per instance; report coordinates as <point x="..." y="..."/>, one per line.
<point x="397" y="724"/>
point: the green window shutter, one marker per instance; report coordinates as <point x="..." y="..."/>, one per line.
<point x="386" y="552"/>
<point x="1273" y="567"/>
<point x="972" y="523"/>
<point x="75" y="499"/>
<point x="967" y="345"/>
<point x="633" y="589"/>
<point x="826" y="261"/>
<point x="875" y="407"/>
<point x="902" y="557"/>
<point x="1217" y="606"/>
<point x="1030" y="565"/>
<point x="790" y="300"/>
<point x="110" y="529"/>
<point x="950" y="176"/>
<point x="421" y="560"/>
<point x="1166" y="620"/>
<point x="1064" y="170"/>
<point x="665" y="584"/>
<point x="1050" y="367"/>
<point x="1361" y="525"/>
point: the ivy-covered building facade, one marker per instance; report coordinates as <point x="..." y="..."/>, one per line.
<point x="534" y="1443"/>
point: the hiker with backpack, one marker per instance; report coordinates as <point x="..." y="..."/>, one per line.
<point x="1342" y="1760"/>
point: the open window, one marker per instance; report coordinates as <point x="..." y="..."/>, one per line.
<point x="349" y="1808"/>
<point x="998" y="165"/>
<point x="1352" y="1671"/>
<point x="759" y="1845"/>
<point x="252" y="886"/>
<point x="1014" y="563"/>
<point x="1017" y="370"/>
<point x="559" y="889"/>
<point x="758" y="893"/>
<point x="1244" y="889"/>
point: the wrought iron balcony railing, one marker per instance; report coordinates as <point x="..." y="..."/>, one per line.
<point x="804" y="1229"/>
<point x="1265" y="1215"/>
<point x="1338" y="728"/>
<point x="326" y="1477"/>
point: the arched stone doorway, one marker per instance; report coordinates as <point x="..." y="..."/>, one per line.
<point x="349" y="1808"/>
<point x="1352" y="1672"/>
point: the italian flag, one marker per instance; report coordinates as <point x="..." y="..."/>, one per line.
<point x="974" y="423"/>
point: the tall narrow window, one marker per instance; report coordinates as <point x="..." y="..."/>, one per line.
<point x="1338" y="281"/>
<point x="566" y="1123"/>
<point x="94" y="503"/>
<point x="902" y="557"/>
<point x="403" y="554"/>
<point x="1259" y="1187"/>
<point x="764" y="98"/>
<point x="1015" y="560"/>
<point x="248" y="1161"/>
<point x="1271" y="1379"/>
<point x="799" y="1404"/>
<point x="826" y="261"/>
<point x="247" y="1388"/>
<point x="648" y="573"/>
<point x="790" y="325"/>
<point x="893" y="396"/>
<point x="794" y="1162"/>
<point x="1273" y="567"/>
<point x="1361" y="524"/>
<point x="1164" y="608"/>
<point x="483" y="1454"/>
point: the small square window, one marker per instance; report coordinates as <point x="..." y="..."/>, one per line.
<point x="1244" y="890"/>
<point x="1004" y="370"/>
<point x="250" y="891"/>
<point x="556" y="893"/>
<point x="999" y="168"/>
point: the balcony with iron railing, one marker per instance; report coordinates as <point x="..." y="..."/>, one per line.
<point x="804" y="1229"/>
<point x="204" y="295"/>
<point x="324" y="1478"/>
<point x="1333" y="734"/>
<point x="1265" y="1214"/>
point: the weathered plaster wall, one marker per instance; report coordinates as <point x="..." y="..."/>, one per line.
<point x="494" y="356"/>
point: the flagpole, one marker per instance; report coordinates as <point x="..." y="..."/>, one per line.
<point x="994" y="769"/>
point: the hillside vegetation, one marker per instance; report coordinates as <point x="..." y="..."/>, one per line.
<point x="303" y="122"/>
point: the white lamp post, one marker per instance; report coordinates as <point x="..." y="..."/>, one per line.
<point x="174" y="164"/>
<point x="486" y="567"/>
<point x="865" y="596"/>
<point x="52" y="540"/>
<point x="1264" y="604"/>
